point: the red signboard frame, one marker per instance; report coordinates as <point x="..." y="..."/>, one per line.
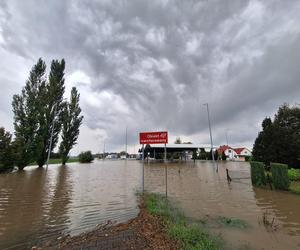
<point x="154" y="137"/>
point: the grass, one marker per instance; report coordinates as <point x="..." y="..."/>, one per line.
<point x="191" y="236"/>
<point x="232" y="222"/>
<point x="58" y="161"/>
<point x="295" y="187"/>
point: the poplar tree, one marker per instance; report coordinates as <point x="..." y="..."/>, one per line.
<point x="50" y="111"/>
<point x="26" y="111"/>
<point x="70" y="125"/>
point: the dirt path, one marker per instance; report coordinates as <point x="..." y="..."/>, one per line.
<point x="143" y="232"/>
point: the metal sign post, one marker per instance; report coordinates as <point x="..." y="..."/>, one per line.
<point x="166" y="171"/>
<point x="143" y="157"/>
<point x="154" y="138"/>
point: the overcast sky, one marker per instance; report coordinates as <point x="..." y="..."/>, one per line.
<point x="150" y="65"/>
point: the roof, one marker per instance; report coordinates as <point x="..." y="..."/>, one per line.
<point x="239" y="150"/>
<point x="187" y="146"/>
<point x="221" y="149"/>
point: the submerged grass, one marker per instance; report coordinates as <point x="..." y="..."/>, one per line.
<point x="232" y="222"/>
<point x="191" y="236"/>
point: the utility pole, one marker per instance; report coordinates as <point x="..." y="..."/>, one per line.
<point x="211" y="140"/>
<point x="51" y="137"/>
<point x="227" y="137"/>
<point x="126" y="143"/>
<point x="103" y="150"/>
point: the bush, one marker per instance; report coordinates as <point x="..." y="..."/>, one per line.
<point x="85" y="157"/>
<point x="248" y="158"/>
<point x="6" y="157"/>
<point x="294" y="174"/>
<point x="280" y="176"/>
<point x="258" y="177"/>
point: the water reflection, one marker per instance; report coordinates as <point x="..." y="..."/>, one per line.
<point x="24" y="201"/>
<point x="284" y="206"/>
<point x="58" y="207"/>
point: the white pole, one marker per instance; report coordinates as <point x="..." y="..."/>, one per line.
<point x="51" y="137"/>
<point x="126" y="143"/>
<point x="103" y="150"/>
<point x="166" y="171"/>
<point x="143" y="182"/>
<point x="211" y="140"/>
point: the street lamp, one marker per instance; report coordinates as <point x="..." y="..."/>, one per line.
<point x="211" y="140"/>
<point x="52" y="131"/>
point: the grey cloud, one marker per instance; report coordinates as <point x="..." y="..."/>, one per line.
<point x="152" y="64"/>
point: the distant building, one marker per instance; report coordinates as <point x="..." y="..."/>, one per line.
<point x="234" y="154"/>
<point x="112" y="156"/>
<point x="174" y="151"/>
<point x="243" y="153"/>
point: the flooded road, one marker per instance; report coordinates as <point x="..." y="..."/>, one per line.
<point x="37" y="205"/>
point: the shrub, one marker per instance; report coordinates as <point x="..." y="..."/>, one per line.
<point x="6" y="157"/>
<point x="258" y="177"/>
<point x="85" y="157"/>
<point x="294" y="174"/>
<point x="280" y="176"/>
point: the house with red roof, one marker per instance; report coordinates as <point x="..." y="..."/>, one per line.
<point x="234" y="154"/>
<point x="243" y="153"/>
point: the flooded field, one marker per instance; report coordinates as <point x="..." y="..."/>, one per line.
<point x="37" y="205"/>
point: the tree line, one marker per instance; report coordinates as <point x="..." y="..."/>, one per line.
<point x="279" y="140"/>
<point x="41" y="115"/>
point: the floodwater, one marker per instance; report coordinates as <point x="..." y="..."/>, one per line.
<point x="204" y="195"/>
<point x="38" y="205"/>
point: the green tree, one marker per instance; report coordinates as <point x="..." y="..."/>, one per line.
<point x="178" y="140"/>
<point x="279" y="141"/>
<point x="195" y="156"/>
<point x="85" y="157"/>
<point x="216" y="155"/>
<point x="71" y="121"/>
<point x="223" y="156"/>
<point x="263" y="149"/>
<point x="26" y="111"/>
<point x="50" y="111"/>
<point x="202" y="154"/>
<point x="6" y="158"/>
<point x="287" y="136"/>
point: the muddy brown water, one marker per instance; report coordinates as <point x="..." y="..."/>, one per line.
<point x="38" y="205"/>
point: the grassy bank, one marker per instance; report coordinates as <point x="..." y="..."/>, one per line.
<point x="190" y="236"/>
<point x="58" y="161"/>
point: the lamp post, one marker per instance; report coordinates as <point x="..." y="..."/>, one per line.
<point x="52" y="131"/>
<point x="51" y="137"/>
<point x="211" y="140"/>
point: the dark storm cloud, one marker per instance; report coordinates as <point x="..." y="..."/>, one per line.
<point x="152" y="64"/>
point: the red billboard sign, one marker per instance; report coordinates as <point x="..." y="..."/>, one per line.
<point x="153" y="137"/>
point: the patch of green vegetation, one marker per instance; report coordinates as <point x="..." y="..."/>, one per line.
<point x="191" y="236"/>
<point x="295" y="187"/>
<point x="232" y="222"/>
<point x="294" y="174"/>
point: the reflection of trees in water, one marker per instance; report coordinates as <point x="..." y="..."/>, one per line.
<point x="284" y="205"/>
<point x="57" y="219"/>
<point x="24" y="207"/>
